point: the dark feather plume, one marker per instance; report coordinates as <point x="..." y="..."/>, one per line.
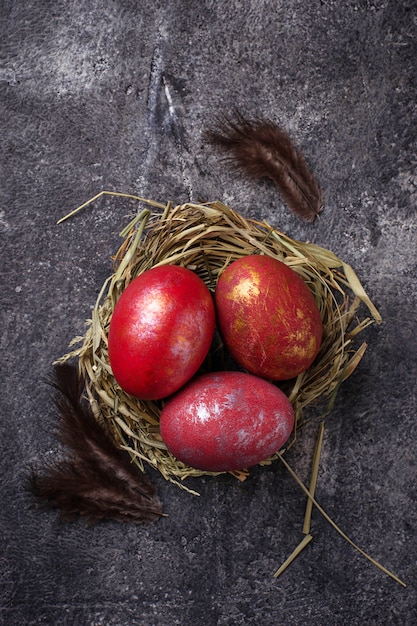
<point x="264" y="150"/>
<point x="97" y="480"/>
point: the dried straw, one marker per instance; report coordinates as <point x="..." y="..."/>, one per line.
<point x="206" y="238"/>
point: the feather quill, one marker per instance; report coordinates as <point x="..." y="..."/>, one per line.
<point x="264" y="150"/>
<point x="97" y="481"/>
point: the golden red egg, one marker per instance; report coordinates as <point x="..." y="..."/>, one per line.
<point x="268" y="317"/>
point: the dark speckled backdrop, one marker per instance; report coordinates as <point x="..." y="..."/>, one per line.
<point x="115" y="95"/>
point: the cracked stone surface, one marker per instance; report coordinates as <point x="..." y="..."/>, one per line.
<point x="116" y="96"/>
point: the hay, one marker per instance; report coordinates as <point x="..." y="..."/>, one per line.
<point x="206" y="238"/>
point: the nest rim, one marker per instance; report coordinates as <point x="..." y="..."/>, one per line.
<point x="206" y="238"/>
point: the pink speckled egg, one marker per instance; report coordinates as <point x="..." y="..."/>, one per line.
<point x="225" y="421"/>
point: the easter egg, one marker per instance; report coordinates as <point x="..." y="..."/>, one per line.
<point x="268" y="317"/>
<point x="160" y="331"/>
<point x="225" y="421"/>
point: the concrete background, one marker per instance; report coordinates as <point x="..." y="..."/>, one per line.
<point x="85" y="90"/>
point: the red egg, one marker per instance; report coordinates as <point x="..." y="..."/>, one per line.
<point x="268" y="317"/>
<point x="160" y="331"/>
<point x="226" y="421"/>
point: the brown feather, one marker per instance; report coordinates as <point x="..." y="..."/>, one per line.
<point x="263" y="149"/>
<point x="97" y="481"/>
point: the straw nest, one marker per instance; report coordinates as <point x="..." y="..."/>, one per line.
<point x="206" y="238"/>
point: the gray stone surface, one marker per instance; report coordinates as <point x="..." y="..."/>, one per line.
<point x="115" y="95"/>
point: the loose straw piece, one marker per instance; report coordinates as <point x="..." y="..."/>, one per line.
<point x="305" y="541"/>
<point x="313" y="480"/>
<point x="118" y="194"/>
<point x="336" y="527"/>
<point x="307" y="517"/>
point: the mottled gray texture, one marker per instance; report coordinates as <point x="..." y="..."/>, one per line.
<point x="115" y="95"/>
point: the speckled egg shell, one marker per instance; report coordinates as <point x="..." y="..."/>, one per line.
<point x="226" y="421"/>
